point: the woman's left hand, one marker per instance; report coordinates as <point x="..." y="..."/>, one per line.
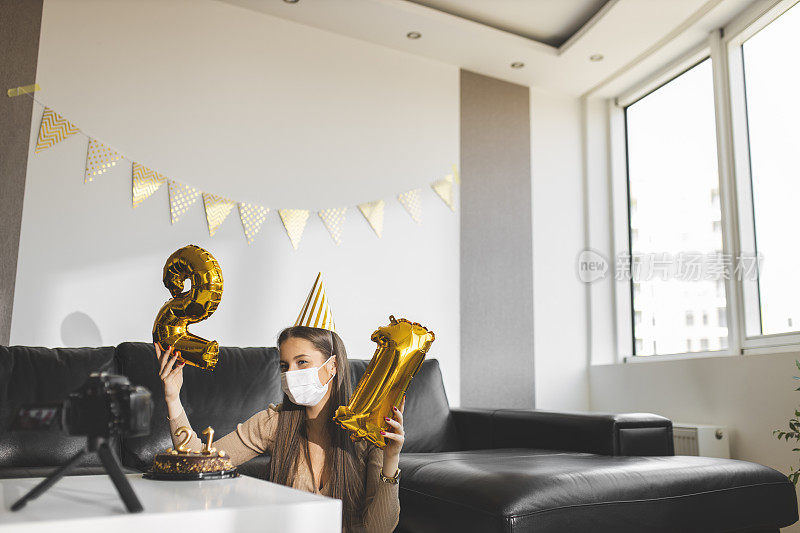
<point x="394" y="434"/>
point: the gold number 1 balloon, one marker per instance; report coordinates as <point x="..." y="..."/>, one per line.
<point x="170" y="328"/>
<point x="402" y="346"/>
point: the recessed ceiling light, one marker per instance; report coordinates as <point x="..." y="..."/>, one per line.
<point x="413" y="35"/>
<point x="517" y="64"/>
<point x="596" y="57"/>
<point x="291" y="1"/>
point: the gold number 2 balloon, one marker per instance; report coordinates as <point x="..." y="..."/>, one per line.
<point x="402" y="346"/>
<point x="170" y="328"/>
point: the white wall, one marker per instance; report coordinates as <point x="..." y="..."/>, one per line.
<point x="257" y="109"/>
<point x="559" y="297"/>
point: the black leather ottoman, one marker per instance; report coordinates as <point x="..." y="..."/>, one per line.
<point x="548" y="491"/>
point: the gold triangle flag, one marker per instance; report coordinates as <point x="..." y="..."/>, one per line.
<point x="411" y="201"/>
<point x="373" y="212"/>
<point x="54" y="129"/>
<point x="252" y="217"/>
<point x="444" y="188"/>
<point x="144" y="183"/>
<point x="99" y="159"/>
<point x="316" y="312"/>
<point x="217" y="210"/>
<point x="456" y="174"/>
<point x="294" y="220"/>
<point x="181" y="197"/>
<point x="334" y="220"/>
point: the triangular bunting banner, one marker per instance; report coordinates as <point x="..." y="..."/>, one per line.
<point x="252" y="216"/>
<point x="54" y="129"/>
<point x="145" y="182"/>
<point x="373" y="212"/>
<point x="181" y="197"/>
<point x="444" y="188"/>
<point x="99" y="159"/>
<point x="334" y="220"/>
<point x="412" y="203"/>
<point x="217" y="210"/>
<point x="294" y="220"/>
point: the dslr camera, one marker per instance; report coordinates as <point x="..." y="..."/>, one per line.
<point x="106" y="406"/>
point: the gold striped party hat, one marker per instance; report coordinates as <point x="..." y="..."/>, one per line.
<point x="316" y="312"/>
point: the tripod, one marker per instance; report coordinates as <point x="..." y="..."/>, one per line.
<point x="110" y="462"/>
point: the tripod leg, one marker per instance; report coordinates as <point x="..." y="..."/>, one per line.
<point x="114" y="469"/>
<point x="48" y="482"/>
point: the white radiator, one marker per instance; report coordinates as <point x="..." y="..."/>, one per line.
<point x="699" y="439"/>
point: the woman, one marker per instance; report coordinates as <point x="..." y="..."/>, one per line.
<point x="308" y="450"/>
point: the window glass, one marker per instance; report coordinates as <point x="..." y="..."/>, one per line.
<point x="772" y="90"/>
<point x="675" y="229"/>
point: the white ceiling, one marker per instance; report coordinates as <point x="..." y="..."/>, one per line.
<point x="547" y="21"/>
<point x="630" y="34"/>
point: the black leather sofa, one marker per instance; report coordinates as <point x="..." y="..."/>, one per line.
<point x="463" y="469"/>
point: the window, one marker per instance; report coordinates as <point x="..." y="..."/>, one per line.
<point x="772" y="94"/>
<point x="672" y="179"/>
<point x="669" y="197"/>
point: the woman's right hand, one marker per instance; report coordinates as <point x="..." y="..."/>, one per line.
<point x="171" y="374"/>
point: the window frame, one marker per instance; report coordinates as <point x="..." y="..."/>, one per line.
<point x="723" y="48"/>
<point x="737" y="32"/>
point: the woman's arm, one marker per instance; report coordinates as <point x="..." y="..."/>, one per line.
<point x="382" y="511"/>
<point x="256" y="435"/>
<point x="382" y="499"/>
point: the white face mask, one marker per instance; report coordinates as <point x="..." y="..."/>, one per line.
<point x="303" y="386"/>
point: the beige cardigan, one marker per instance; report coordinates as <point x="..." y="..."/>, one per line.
<point x="256" y="435"/>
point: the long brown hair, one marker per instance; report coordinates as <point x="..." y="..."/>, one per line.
<point x="346" y="475"/>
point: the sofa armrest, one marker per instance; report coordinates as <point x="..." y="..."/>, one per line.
<point x="598" y="433"/>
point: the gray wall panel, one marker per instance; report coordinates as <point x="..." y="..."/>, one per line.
<point x="20" y="24"/>
<point x="496" y="244"/>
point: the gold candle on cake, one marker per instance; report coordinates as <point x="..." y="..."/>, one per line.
<point x="185" y="463"/>
<point x="402" y="346"/>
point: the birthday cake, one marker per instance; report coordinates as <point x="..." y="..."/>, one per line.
<point x="184" y="463"/>
<point x="175" y="462"/>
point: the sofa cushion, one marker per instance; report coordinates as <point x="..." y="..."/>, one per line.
<point x="245" y="381"/>
<point x="34" y="375"/>
<point x="540" y="490"/>
<point x="427" y="421"/>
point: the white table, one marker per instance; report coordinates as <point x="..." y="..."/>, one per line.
<point x="81" y="504"/>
